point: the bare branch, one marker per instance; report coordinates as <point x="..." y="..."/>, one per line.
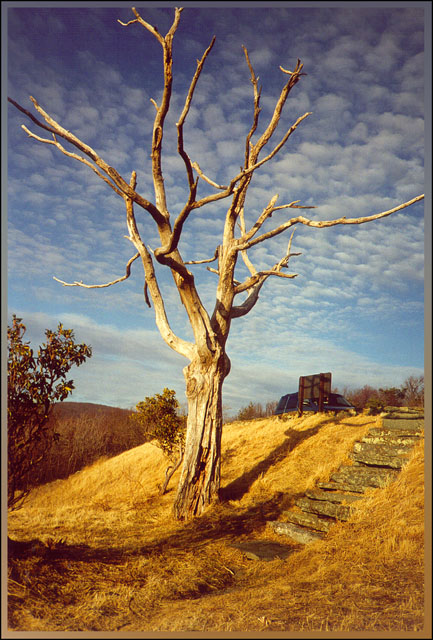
<point x="254" y="279"/>
<point x="245" y="173"/>
<point x="294" y="205"/>
<point x="173" y="240"/>
<point x="215" y="256"/>
<point x="181" y="121"/>
<point x="177" y="344"/>
<point x="70" y="154"/>
<point x="101" y="286"/>
<point x="31" y="116"/>
<point x="267" y="213"/>
<point x="195" y="166"/>
<point x="320" y="224"/>
<point x="235" y="282"/>
<point x="294" y="78"/>
<point x="153" y="30"/>
<point x="297" y="70"/>
<point x="257" y="92"/>
<point x="242" y="309"/>
<point x="161" y="111"/>
<point x="244" y="254"/>
<point x="279" y="145"/>
<point x="257" y="280"/>
<point x="126" y="24"/>
<point x="56" y="129"/>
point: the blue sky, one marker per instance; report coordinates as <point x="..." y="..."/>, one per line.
<point x="356" y="307"/>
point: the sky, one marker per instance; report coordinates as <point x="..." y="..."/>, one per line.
<point x="356" y="307"/>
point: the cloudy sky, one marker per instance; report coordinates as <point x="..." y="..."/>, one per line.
<point x="356" y="307"/>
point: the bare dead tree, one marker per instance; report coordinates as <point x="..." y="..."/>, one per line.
<point x="208" y="362"/>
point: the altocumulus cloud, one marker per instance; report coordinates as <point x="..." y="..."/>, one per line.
<point x="360" y="152"/>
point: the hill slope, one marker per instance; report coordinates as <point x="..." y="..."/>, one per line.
<point x="86" y="432"/>
<point x="114" y="559"/>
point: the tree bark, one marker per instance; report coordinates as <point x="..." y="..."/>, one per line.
<point x="200" y="477"/>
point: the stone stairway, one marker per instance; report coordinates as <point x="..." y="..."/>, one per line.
<point x="378" y="458"/>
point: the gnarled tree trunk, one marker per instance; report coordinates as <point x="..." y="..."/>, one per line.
<point x="200" y="478"/>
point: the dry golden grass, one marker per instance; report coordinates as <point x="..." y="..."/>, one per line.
<point x="114" y="559"/>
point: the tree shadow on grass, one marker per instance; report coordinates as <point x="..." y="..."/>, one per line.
<point x="221" y="522"/>
<point x="239" y="487"/>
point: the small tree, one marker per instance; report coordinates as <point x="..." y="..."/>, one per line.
<point x="160" y="421"/>
<point x="361" y="398"/>
<point x="208" y="362"/>
<point x="251" y="411"/>
<point x="392" y="396"/>
<point x="34" y="384"/>
<point x="413" y="389"/>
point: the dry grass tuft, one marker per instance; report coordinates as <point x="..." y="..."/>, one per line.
<point x="104" y="553"/>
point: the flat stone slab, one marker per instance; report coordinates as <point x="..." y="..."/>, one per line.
<point x="310" y="520"/>
<point x="358" y="479"/>
<point x="381" y="454"/>
<point x="263" y="549"/>
<point x="405" y="415"/>
<point x="383" y="448"/>
<point x="331" y="496"/>
<point x="413" y="424"/>
<point x="392" y="436"/>
<point x="324" y="508"/>
<point x="296" y="533"/>
<point x="372" y="460"/>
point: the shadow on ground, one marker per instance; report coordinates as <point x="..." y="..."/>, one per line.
<point x="222" y="522"/>
<point x="239" y="487"/>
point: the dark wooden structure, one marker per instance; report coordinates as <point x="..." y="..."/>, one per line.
<point x="315" y="387"/>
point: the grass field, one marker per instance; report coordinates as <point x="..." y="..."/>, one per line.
<point x="105" y="554"/>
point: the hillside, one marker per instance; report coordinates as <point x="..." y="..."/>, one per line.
<point x="104" y="553"/>
<point x="86" y="432"/>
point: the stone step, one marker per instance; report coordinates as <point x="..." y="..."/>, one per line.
<point x="358" y="478"/>
<point x="324" y="508"/>
<point x="390" y="449"/>
<point x="332" y="496"/>
<point x="340" y="486"/>
<point x="263" y="549"/>
<point x="309" y="520"/>
<point x="405" y="415"/>
<point x="372" y="460"/>
<point x="378" y="457"/>
<point x="392" y="436"/>
<point x="383" y="455"/>
<point x="406" y="424"/>
<point x="299" y="534"/>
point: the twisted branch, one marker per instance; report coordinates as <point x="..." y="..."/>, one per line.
<point x="101" y="286"/>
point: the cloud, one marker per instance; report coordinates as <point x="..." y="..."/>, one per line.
<point x="360" y="152"/>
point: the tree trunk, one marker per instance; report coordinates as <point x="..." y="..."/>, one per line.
<point x="170" y="471"/>
<point x="200" y="478"/>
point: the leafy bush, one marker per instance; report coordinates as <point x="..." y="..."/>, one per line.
<point x="34" y="384"/>
<point x="160" y="421"/>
